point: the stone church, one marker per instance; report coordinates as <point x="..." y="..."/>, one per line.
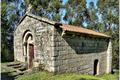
<point x="60" y="47"/>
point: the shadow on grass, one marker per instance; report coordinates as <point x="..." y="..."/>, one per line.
<point x="7" y="76"/>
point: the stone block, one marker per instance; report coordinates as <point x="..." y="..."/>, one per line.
<point x="63" y="54"/>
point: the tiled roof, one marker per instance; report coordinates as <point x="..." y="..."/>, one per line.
<point x="70" y="28"/>
<point x="76" y="29"/>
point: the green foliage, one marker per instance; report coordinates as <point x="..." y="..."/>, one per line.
<point x="115" y="48"/>
<point x="75" y="12"/>
<point x="4" y="28"/>
<point x="48" y="8"/>
<point x="9" y="17"/>
<point x="109" y="11"/>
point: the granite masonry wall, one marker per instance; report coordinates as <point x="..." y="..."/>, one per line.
<point x="44" y="48"/>
<point x="77" y="53"/>
<point x="67" y="53"/>
<point x="42" y="34"/>
<point x="27" y="25"/>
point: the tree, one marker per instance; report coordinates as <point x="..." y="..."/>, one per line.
<point x="109" y="9"/>
<point x="9" y="18"/>
<point x="76" y="12"/>
<point x="46" y="8"/>
<point x="4" y="28"/>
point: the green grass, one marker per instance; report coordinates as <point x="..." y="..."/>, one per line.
<point x="67" y="76"/>
<point x="111" y="76"/>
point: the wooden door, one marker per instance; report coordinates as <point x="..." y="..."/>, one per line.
<point x="31" y="55"/>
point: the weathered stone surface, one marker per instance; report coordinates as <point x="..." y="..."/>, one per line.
<point x="67" y="53"/>
<point x="42" y="41"/>
<point x="77" y="53"/>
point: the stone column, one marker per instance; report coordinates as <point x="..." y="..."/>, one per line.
<point x="52" y="67"/>
<point x="109" y="57"/>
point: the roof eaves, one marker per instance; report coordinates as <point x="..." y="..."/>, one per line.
<point x="90" y="32"/>
<point x="41" y="18"/>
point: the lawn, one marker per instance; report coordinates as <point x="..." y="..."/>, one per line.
<point x="44" y="75"/>
<point x="67" y="76"/>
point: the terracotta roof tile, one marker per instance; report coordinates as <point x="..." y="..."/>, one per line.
<point x="82" y="30"/>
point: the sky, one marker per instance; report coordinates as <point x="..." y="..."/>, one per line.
<point x="88" y="1"/>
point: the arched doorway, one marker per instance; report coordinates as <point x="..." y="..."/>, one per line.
<point x="96" y="67"/>
<point x="28" y="48"/>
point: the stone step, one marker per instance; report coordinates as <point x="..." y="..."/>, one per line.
<point x="16" y="74"/>
<point x="20" y="73"/>
<point x="22" y="69"/>
<point x="13" y="64"/>
<point x="16" y="69"/>
<point x="17" y="66"/>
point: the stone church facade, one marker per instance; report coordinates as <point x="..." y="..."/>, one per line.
<point x="61" y="48"/>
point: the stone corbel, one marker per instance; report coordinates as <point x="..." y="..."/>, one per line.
<point x="63" y="32"/>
